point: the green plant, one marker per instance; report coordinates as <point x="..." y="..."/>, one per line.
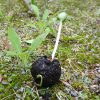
<point x="43" y="21"/>
<point x="16" y="44"/>
<point x="15" y="40"/>
<point x="36" y="11"/>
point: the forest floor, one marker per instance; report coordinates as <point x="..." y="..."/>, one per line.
<point x="78" y="52"/>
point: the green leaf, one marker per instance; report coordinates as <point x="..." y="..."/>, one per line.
<point x="97" y="12"/>
<point x="33" y="1"/>
<point x="1" y="14"/>
<point x="15" y="40"/>
<point x="36" y="43"/>
<point x="46" y="14"/>
<point x="36" y="10"/>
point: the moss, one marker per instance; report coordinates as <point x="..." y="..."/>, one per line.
<point x="78" y="49"/>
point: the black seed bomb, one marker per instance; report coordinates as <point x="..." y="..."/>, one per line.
<point x="49" y="70"/>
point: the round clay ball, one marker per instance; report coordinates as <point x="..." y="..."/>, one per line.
<point x="49" y="70"/>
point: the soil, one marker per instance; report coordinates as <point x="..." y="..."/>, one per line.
<point x="50" y="71"/>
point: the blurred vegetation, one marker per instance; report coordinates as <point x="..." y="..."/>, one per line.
<point x="78" y="52"/>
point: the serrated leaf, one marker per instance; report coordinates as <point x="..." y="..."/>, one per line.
<point x="15" y="40"/>
<point x="36" y="10"/>
<point x="36" y="43"/>
<point x="46" y="14"/>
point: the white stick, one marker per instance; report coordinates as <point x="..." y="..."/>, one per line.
<point x="57" y="40"/>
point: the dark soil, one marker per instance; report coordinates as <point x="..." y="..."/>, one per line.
<point x="50" y="71"/>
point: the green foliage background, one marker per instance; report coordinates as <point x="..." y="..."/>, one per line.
<point x="78" y="52"/>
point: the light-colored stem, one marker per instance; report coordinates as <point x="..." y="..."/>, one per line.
<point x="41" y="79"/>
<point x="57" y="40"/>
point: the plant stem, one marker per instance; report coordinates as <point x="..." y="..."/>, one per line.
<point x="57" y="40"/>
<point x="41" y="81"/>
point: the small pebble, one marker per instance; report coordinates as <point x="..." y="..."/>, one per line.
<point x="74" y="93"/>
<point x="98" y="70"/>
<point x="5" y="83"/>
<point x="23" y="71"/>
